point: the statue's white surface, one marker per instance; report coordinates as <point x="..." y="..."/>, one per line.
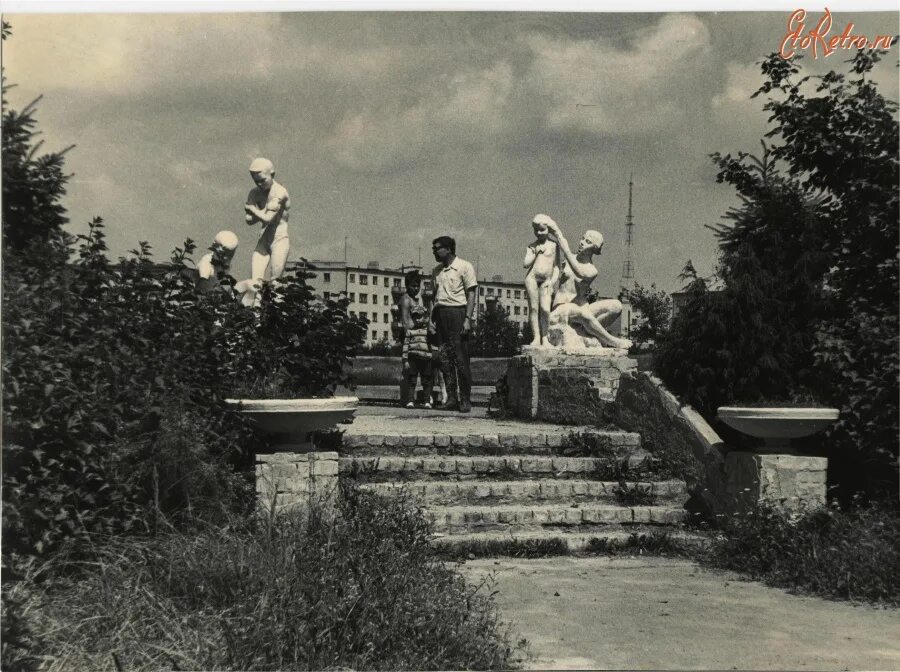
<point x="268" y="204"/>
<point x="574" y="322"/>
<point x="542" y="268"/>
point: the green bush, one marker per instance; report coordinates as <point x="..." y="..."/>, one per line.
<point x="362" y="590"/>
<point x="114" y="374"/>
<point x="655" y="307"/>
<point x="847" y="555"/>
<point x="495" y="335"/>
<point x="809" y="261"/>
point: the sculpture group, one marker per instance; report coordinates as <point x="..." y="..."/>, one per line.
<point x="268" y="204"/>
<point x="558" y="281"/>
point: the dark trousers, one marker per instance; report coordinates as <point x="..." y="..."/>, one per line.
<point x="454" y="347"/>
<point x="419" y="367"/>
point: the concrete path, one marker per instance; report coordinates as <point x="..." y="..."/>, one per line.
<point x="394" y="420"/>
<point x="658" y="613"/>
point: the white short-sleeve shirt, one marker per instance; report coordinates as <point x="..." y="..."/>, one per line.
<point x="451" y="282"/>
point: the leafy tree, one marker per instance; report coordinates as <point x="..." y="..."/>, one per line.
<point x="495" y="335"/>
<point x="809" y="262"/>
<point x="841" y="142"/>
<point x="655" y="308"/>
<point x="527" y="333"/>
<point x="114" y="374"/>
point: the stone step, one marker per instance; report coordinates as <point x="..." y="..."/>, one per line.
<point x="521" y="491"/>
<point x="598" y="539"/>
<point x="551" y="441"/>
<point x="485" y="467"/>
<point x="519" y="517"/>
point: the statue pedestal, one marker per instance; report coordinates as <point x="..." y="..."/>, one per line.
<point x="564" y="385"/>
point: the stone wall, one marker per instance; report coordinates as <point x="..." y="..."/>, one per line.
<point x="565" y="387"/>
<point x="289" y="480"/>
<point x="727" y="482"/>
<point x="644" y="405"/>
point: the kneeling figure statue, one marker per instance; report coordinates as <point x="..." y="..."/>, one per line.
<point x="576" y="323"/>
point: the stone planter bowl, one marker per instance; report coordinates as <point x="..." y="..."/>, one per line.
<point x="291" y="421"/>
<point x="777" y="426"/>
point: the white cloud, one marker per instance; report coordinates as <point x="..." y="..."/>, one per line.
<point x="464" y="108"/>
<point x="593" y="86"/>
<point x="741" y="82"/>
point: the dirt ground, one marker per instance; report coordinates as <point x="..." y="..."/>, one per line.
<point x="658" y="613"/>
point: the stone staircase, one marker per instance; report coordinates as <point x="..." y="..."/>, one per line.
<point x="482" y="480"/>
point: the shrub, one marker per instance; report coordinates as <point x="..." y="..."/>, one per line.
<point x="810" y="266"/>
<point x="295" y="345"/>
<point x="655" y="308"/>
<point x="382" y="349"/>
<point x="495" y="335"/>
<point x="362" y="591"/>
<point x="114" y="375"/>
<point x="654" y="543"/>
<point x="846" y="555"/>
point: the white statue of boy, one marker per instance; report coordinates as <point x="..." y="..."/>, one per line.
<point x="541" y="277"/>
<point x="217" y="260"/>
<point x="269" y="204"/>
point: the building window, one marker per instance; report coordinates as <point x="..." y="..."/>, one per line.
<point x="352" y="313"/>
<point x="353" y="277"/>
<point x="375" y="299"/>
<point x="386" y="318"/>
<point x="327" y="295"/>
<point x="517" y="310"/>
<point x="396" y="282"/>
<point x="481" y="291"/>
<point x="374" y="317"/>
<point x="518" y="293"/>
<point x="363" y="279"/>
<point x="363" y="298"/>
<point x="508" y="293"/>
<point x="326" y="277"/>
<point x="374" y="335"/>
<point x="385" y="335"/>
<point x="386" y="301"/>
<point x="387" y="281"/>
<point x="353" y="296"/>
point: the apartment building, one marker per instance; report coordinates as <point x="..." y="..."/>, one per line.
<point x="511" y="295"/>
<point x="372" y="291"/>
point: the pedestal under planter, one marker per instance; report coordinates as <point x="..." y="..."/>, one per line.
<point x="773" y="473"/>
<point x="294" y="474"/>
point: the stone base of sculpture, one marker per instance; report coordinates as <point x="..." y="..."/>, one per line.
<point x="569" y="384"/>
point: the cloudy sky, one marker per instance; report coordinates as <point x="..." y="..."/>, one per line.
<point x="393" y="128"/>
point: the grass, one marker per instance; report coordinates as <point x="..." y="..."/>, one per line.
<point x="635" y="494"/>
<point x="361" y="589"/>
<point x="826" y="552"/>
<point x="653" y="543"/>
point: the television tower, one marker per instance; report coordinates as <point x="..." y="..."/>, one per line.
<point x="627" y="283"/>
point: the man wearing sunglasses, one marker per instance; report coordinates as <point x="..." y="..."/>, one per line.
<point x="451" y="318"/>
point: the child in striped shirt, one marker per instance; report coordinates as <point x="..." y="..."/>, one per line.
<point x="417" y="357"/>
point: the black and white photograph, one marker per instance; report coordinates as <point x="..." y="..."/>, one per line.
<point x="450" y="337"/>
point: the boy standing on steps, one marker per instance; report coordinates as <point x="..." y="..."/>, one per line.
<point x="417" y="357"/>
